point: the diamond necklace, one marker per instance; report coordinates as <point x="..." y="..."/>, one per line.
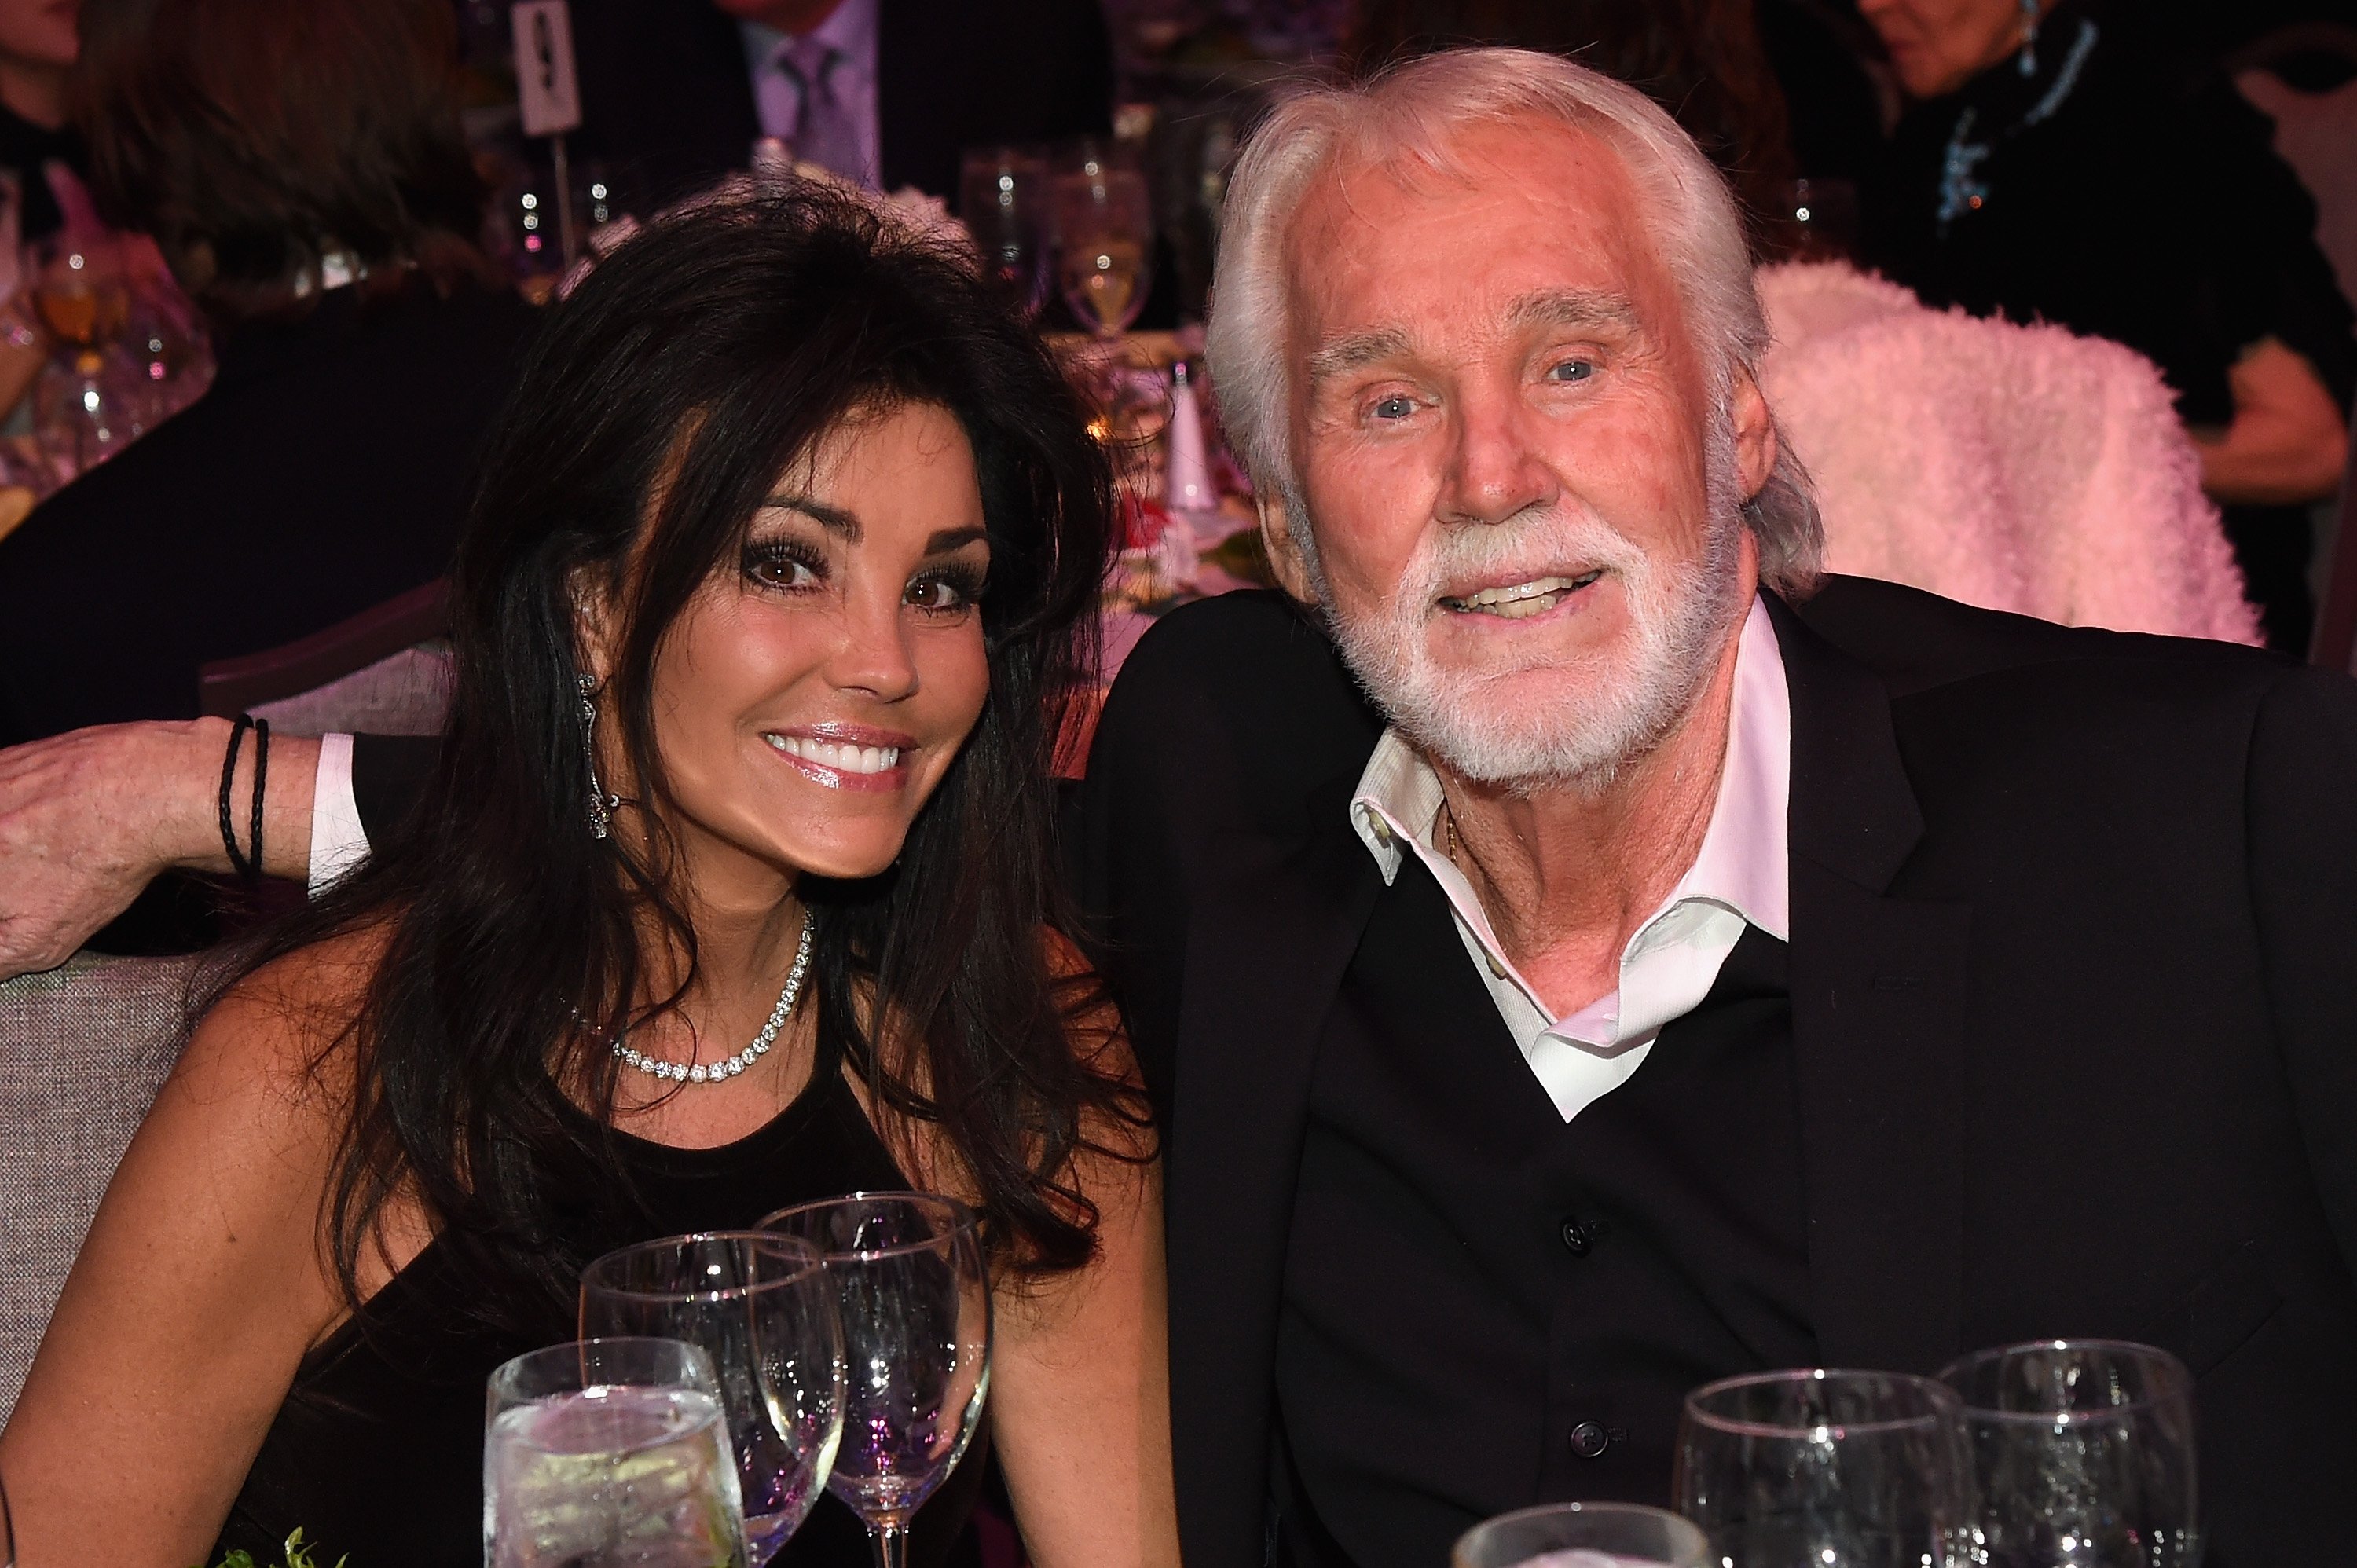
<point x="728" y="1066"/>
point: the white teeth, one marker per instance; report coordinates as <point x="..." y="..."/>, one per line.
<point x="1518" y="600"/>
<point x="842" y="759"/>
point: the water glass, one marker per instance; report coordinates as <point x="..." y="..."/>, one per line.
<point x="610" y="1453"/>
<point x="1002" y="201"/>
<point x="2080" y="1454"/>
<point x="1583" y="1535"/>
<point x="913" y="1296"/>
<point x="1105" y="242"/>
<point x="761" y="1306"/>
<point x="1824" y="1468"/>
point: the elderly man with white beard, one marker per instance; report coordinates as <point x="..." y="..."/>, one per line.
<point x="1581" y="952"/>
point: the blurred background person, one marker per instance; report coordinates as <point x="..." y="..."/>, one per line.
<point x="299" y="164"/>
<point x="2071" y="163"/>
<point x="675" y="92"/>
<point x="38" y="45"/>
<point x="1707" y="63"/>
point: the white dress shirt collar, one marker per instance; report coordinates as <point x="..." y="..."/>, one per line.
<point x="1740" y="876"/>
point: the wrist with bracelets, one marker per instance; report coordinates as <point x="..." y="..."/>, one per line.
<point x="248" y="867"/>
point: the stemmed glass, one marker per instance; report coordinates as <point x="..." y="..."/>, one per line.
<point x="1105" y="243"/>
<point x="913" y="1296"/>
<point x="1002" y="200"/>
<point x="1831" y="1469"/>
<point x="761" y="1306"/>
<point x="610" y="1453"/>
<point x="2080" y="1455"/>
<point x="1569" y="1535"/>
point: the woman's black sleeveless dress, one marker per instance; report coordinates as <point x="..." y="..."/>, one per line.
<point x="377" y="1453"/>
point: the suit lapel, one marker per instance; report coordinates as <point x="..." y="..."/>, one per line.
<point x="1266" y="956"/>
<point x="1879" y="1009"/>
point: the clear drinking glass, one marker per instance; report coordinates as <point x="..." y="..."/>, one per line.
<point x="1002" y="201"/>
<point x="913" y="1296"/>
<point x="80" y="287"/>
<point x="1583" y="1535"/>
<point x="1105" y="242"/>
<point x="761" y="1306"/>
<point x="610" y="1453"/>
<point x="1826" y="1469"/>
<point x="2078" y="1454"/>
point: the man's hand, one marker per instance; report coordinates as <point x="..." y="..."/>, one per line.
<point x="88" y="819"/>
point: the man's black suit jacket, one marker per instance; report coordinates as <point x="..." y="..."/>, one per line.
<point x="2073" y="974"/>
<point x="666" y="94"/>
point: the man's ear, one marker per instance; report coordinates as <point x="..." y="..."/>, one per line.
<point x="1286" y="562"/>
<point x="1755" y="433"/>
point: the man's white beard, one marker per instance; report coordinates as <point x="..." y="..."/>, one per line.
<point x="1618" y="702"/>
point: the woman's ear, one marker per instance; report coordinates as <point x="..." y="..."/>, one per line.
<point x="593" y="626"/>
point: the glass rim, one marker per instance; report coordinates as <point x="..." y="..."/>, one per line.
<point x="812" y="1260"/>
<point x="573" y="1348"/>
<point x="1581" y="1505"/>
<point x="1947" y="1405"/>
<point x="962" y="1215"/>
<point x="2173" y="1371"/>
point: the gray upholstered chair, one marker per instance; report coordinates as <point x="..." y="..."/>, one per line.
<point x="83" y="1050"/>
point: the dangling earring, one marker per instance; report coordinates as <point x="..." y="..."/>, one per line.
<point x="2028" y="61"/>
<point x="602" y="805"/>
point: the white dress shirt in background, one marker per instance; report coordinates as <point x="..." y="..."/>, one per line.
<point x="1740" y="878"/>
<point x="850" y="32"/>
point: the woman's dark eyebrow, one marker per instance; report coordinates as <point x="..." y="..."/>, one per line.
<point x="833" y="519"/>
<point x="949" y="539"/>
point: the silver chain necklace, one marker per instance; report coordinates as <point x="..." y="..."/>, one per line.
<point x="728" y="1066"/>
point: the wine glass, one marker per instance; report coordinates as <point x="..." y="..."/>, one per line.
<point x="80" y="288"/>
<point x="1002" y="200"/>
<point x="1830" y="1469"/>
<point x="609" y="1452"/>
<point x="913" y="1296"/>
<point x="1578" y="1535"/>
<point x="761" y="1306"/>
<point x="1105" y="243"/>
<point x="2078" y="1454"/>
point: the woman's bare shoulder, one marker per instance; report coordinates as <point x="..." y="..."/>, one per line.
<point x="275" y="1041"/>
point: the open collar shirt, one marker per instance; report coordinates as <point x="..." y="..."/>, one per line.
<point x="1740" y="878"/>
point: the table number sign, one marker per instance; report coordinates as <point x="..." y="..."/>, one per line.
<point x="548" y="92"/>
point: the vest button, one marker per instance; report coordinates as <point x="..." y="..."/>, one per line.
<point x="1590" y="1439"/>
<point x="1576" y="1238"/>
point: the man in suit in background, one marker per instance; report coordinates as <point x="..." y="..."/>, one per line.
<point x="885" y="91"/>
<point x="1582" y="953"/>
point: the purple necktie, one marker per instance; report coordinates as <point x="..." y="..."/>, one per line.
<point x="822" y="133"/>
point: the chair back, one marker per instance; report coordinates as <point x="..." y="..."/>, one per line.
<point x="386" y="671"/>
<point x="2021" y="468"/>
<point x="83" y="1050"/>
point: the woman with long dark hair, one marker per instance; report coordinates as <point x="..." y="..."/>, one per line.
<point x="779" y="572"/>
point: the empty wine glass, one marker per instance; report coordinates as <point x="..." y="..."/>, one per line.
<point x="760" y="1306"/>
<point x="1002" y="200"/>
<point x="1105" y="242"/>
<point x="1583" y="1535"/>
<point x="1826" y="1469"/>
<point x="610" y="1453"/>
<point x="2078" y="1454"/>
<point x="913" y="1296"/>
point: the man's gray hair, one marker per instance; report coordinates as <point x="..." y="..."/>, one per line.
<point x="1417" y="112"/>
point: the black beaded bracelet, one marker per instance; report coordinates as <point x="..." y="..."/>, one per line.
<point x="247" y="868"/>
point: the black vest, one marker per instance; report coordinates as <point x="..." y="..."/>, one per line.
<point x="1486" y="1307"/>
